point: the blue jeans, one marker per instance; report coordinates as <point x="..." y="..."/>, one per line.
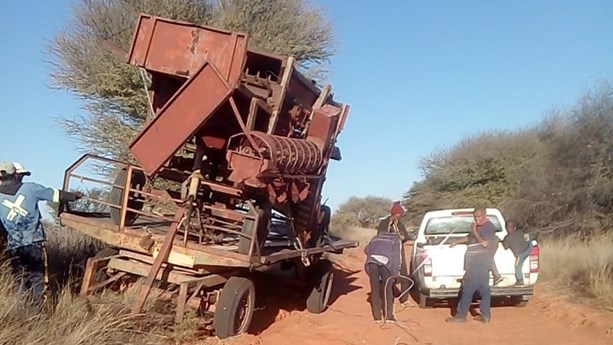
<point x="476" y="279"/>
<point x="28" y="266"/>
<point x="519" y="263"/>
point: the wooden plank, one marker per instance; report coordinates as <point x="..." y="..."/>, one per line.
<point x="129" y="239"/>
<point x="159" y="260"/>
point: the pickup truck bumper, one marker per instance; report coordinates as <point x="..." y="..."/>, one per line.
<point x="525" y="291"/>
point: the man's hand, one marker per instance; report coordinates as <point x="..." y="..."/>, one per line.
<point x="452" y="244"/>
<point x="483" y="243"/>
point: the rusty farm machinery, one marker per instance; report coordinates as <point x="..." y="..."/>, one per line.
<point x="226" y="181"/>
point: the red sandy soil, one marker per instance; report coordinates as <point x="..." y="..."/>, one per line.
<point x="549" y="319"/>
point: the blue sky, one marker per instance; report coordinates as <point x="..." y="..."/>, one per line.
<point x="418" y="75"/>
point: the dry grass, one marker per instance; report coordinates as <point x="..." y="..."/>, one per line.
<point x="68" y="319"/>
<point x="586" y="268"/>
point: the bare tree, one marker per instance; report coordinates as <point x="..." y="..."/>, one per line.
<point x="114" y="92"/>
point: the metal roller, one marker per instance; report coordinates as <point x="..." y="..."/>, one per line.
<point x="288" y="155"/>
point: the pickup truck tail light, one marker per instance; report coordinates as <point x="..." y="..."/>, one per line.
<point x="427" y="264"/>
<point x="534" y="259"/>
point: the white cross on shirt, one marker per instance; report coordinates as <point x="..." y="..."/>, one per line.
<point x="15" y="207"/>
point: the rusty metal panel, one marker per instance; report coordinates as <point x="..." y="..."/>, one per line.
<point x="302" y="89"/>
<point x="140" y="40"/>
<point x="180" y="48"/>
<point x="323" y="125"/>
<point x="180" y="118"/>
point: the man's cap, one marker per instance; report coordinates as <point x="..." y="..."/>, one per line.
<point x="20" y="169"/>
<point x="7" y="167"/>
<point x="397" y="208"/>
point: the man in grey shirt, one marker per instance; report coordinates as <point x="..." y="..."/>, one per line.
<point x="478" y="263"/>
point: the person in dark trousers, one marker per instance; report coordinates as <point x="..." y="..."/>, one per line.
<point x="20" y="216"/>
<point x="517" y="241"/>
<point x="392" y="224"/>
<point x="382" y="264"/>
<point x="478" y="264"/>
<point x="472" y="240"/>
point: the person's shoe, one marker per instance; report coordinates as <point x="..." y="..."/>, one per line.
<point x="378" y="321"/>
<point x="481" y="318"/>
<point x="455" y="319"/>
<point x="519" y="283"/>
<point x="391" y="320"/>
<point x="498" y="280"/>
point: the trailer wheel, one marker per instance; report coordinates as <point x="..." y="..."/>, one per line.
<point x="322" y="279"/>
<point x="101" y="275"/>
<point x="116" y="196"/>
<point x="322" y="226"/>
<point x="234" y="310"/>
<point x="262" y="231"/>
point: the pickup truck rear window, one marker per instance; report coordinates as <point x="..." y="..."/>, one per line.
<point x="456" y="225"/>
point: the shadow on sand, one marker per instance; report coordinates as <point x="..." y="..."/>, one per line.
<point x="275" y="299"/>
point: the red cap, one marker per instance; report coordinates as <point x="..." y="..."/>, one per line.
<point x="396" y="208"/>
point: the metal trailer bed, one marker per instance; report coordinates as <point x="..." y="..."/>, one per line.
<point x="208" y="277"/>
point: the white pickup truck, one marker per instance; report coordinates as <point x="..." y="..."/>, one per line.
<point x="438" y="268"/>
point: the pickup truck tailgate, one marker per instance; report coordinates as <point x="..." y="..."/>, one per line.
<point x="447" y="261"/>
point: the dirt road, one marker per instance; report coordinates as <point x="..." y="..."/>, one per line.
<point x="547" y="320"/>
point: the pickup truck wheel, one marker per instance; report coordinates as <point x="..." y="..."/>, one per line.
<point x="423" y="301"/>
<point x="234" y="309"/>
<point x="519" y="302"/>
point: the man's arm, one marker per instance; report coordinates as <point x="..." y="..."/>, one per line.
<point x="488" y="235"/>
<point x="505" y="242"/>
<point x="383" y="225"/>
<point x="463" y="240"/>
<point x="43" y="193"/>
<point x="479" y="239"/>
<point x="403" y="232"/>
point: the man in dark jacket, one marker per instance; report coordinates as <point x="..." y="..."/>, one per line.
<point x="383" y="262"/>
<point x="392" y="224"/>
<point x="20" y="216"/>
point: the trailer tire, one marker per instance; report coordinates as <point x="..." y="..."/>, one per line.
<point x="237" y="299"/>
<point x="116" y="196"/>
<point x="262" y="231"/>
<point x="322" y="279"/>
<point x="322" y="226"/>
<point x="103" y="253"/>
